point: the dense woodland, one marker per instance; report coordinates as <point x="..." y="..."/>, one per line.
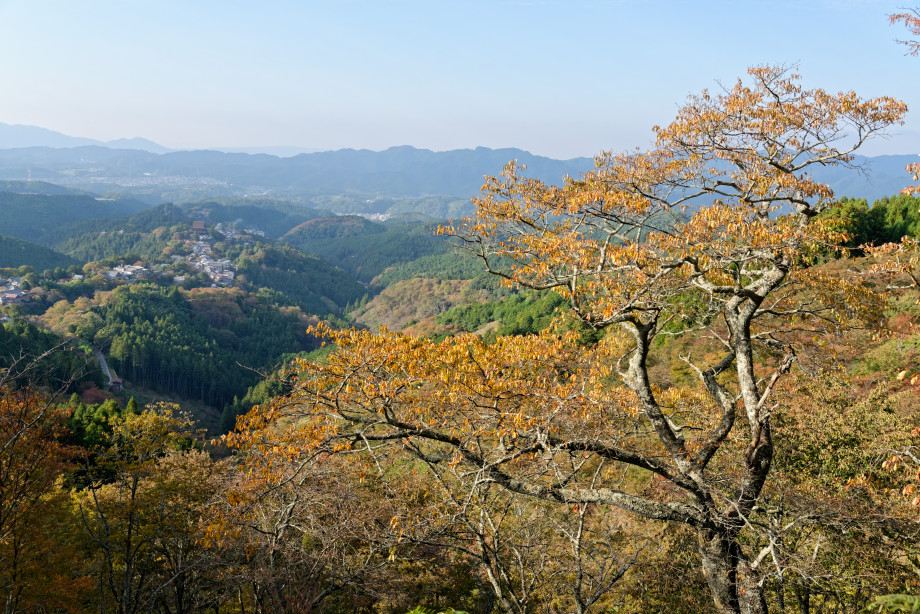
<point x="685" y="381"/>
<point x="16" y="252"/>
<point x="195" y="345"/>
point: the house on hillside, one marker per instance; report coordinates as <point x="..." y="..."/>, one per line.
<point x="128" y="272"/>
<point x="12" y="298"/>
<point x="12" y="295"/>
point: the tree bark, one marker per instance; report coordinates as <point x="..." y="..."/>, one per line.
<point x="733" y="585"/>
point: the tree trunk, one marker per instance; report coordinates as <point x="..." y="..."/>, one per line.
<point x="733" y="585"/>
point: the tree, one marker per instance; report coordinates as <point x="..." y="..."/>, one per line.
<point x="32" y="508"/>
<point x="30" y="455"/>
<point x="839" y="534"/>
<point x="898" y="260"/>
<point x="308" y="541"/>
<point x="706" y="238"/>
<point x="910" y="19"/>
<point x="31" y="460"/>
<point x="140" y="511"/>
<point x="533" y="555"/>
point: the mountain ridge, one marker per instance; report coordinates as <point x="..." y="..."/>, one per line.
<point x="402" y="171"/>
<point x="13" y="136"/>
<point x="143" y="168"/>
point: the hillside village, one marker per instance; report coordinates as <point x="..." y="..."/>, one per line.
<point x="199" y="253"/>
<point x="220" y="270"/>
<point x="196" y="264"/>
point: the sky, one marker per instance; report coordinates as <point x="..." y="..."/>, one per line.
<point x="560" y="78"/>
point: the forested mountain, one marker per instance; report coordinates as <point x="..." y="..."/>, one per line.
<point x="39" y="187"/>
<point x="451" y="264"/>
<point x="207" y="344"/>
<point x="143" y="234"/>
<point x="365" y="249"/>
<point x="332" y="228"/>
<point x="147" y="233"/>
<point x="398" y="171"/>
<point x="382" y="207"/>
<point x="34" y="217"/>
<point x="16" y="252"/>
<point x="271" y="216"/>
<point x="306" y="281"/>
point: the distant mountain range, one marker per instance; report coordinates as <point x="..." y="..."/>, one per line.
<point x="146" y="170"/>
<point x="396" y="172"/>
<point x="16" y="135"/>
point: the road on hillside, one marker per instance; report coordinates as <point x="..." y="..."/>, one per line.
<point x="103" y="364"/>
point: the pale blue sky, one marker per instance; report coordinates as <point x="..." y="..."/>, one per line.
<point x="561" y="78"/>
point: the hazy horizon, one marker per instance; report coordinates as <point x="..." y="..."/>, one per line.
<point x="558" y="79"/>
<point x="283" y="151"/>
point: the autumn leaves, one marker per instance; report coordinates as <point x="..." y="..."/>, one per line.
<point x="709" y="237"/>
